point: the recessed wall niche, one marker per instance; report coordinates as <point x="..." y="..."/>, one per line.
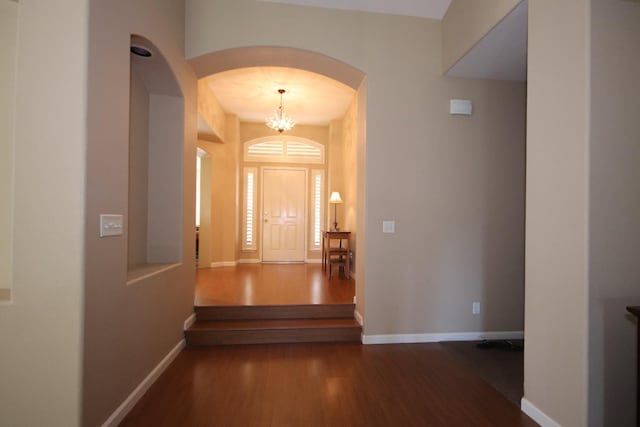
<point x="156" y="139"/>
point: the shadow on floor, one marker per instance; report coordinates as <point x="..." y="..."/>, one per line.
<point x="499" y="365"/>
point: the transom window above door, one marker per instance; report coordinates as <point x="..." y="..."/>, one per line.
<point x="283" y="149"/>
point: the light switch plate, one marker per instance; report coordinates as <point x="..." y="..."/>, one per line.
<point x="388" y="226"/>
<point x="111" y="225"/>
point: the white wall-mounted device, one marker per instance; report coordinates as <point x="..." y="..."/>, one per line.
<point x="460" y="107"/>
<point x="111" y="225"/>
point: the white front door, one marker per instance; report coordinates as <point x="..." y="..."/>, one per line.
<point x="283" y="203"/>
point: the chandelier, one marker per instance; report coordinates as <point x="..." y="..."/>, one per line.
<point x="280" y="121"/>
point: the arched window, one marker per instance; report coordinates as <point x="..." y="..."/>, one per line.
<point x="283" y="149"/>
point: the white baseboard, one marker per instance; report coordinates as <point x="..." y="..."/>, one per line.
<point x="249" y="261"/>
<point x="223" y="264"/>
<point x="536" y="414"/>
<point x="189" y="321"/>
<point x="122" y="410"/>
<point x="313" y="261"/>
<point x="437" y="337"/>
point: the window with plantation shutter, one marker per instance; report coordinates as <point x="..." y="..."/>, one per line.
<point x="284" y="149"/>
<point x="317" y="181"/>
<point x="249" y="214"/>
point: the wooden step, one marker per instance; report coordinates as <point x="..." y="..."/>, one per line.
<point x="300" y="311"/>
<point x="224" y="332"/>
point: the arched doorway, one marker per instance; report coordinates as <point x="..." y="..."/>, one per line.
<point x="353" y="188"/>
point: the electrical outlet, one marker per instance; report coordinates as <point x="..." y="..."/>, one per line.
<point x="475" y="308"/>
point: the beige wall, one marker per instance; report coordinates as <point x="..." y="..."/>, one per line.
<point x="466" y="22"/>
<point x="252" y="130"/>
<point x="557" y="210"/>
<point x="166" y="186"/>
<point x="349" y="166"/>
<point x="454" y="185"/>
<point x="221" y="240"/>
<point x="41" y="355"/>
<point x="343" y="173"/>
<point x="335" y="174"/>
<point x="128" y="329"/>
<point x="218" y="183"/>
<point x="211" y="112"/>
<point x="230" y="216"/>
<point x="614" y="229"/>
<point x="138" y="171"/>
<point x="223" y="197"/>
<point x="360" y="241"/>
<point x="8" y="32"/>
<point x="218" y="231"/>
<point x="205" y="245"/>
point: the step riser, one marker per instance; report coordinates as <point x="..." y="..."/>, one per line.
<point x="292" y="335"/>
<point x="313" y="311"/>
<point x="227" y="325"/>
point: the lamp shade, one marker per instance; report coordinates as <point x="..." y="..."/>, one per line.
<point x="335" y="197"/>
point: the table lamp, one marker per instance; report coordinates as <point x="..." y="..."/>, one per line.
<point x="335" y="199"/>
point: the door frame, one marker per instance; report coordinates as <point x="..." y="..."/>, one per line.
<point x="306" y="209"/>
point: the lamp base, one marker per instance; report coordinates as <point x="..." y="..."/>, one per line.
<point x="335" y="227"/>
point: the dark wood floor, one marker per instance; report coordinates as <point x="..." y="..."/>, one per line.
<point x="502" y="367"/>
<point x="319" y="384"/>
<point x="271" y="284"/>
<point x="322" y="385"/>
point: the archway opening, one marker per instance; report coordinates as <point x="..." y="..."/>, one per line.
<point x="221" y="128"/>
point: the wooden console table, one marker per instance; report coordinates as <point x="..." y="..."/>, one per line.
<point x="337" y="254"/>
<point x="636" y="312"/>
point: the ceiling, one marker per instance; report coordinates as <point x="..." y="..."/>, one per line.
<point x="252" y="93"/>
<point x="421" y="8"/>
<point x="501" y="54"/>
